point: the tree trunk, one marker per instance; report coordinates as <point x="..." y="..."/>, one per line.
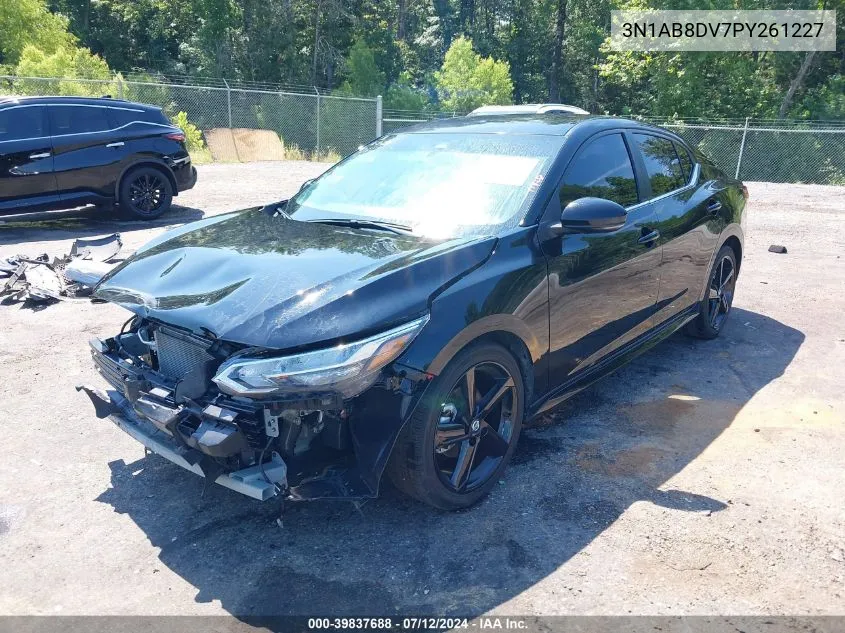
<point x="402" y="17"/>
<point x="317" y="8"/>
<point x="796" y="83"/>
<point x="557" y="53"/>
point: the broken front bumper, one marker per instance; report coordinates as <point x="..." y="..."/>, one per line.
<point x="255" y="482"/>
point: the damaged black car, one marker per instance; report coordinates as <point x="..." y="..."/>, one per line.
<point x="408" y="311"/>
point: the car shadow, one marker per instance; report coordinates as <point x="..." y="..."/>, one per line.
<point x="83" y="222"/>
<point x="575" y="473"/>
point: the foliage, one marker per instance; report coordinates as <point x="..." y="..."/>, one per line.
<point x="69" y="63"/>
<point x="468" y="80"/>
<point x="419" y="54"/>
<point x="193" y="135"/>
<point x="28" y="23"/>
<point x="364" y="77"/>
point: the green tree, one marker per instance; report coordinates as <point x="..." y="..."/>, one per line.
<point x="466" y="80"/>
<point x="28" y="22"/>
<point x="363" y="75"/>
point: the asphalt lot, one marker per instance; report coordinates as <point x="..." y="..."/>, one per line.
<point x="704" y="478"/>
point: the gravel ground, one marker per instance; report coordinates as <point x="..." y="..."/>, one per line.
<point x="703" y="478"/>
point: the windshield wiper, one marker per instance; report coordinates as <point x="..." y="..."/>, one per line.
<point x="398" y="229"/>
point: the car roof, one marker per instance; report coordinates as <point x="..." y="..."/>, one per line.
<point x="550" y="124"/>
<point x="100" y="101"/>
<point x="528" y="108"/>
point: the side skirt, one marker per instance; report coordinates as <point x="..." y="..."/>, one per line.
<point x="613" y="361"/>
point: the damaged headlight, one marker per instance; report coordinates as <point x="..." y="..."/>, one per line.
<point x="348" y="369"/>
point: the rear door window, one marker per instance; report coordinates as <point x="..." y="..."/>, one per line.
<point x="602" y="169"/>
<point x="73" y="119"/>
<point x="22" y="123"/>
<point x="661" y="163"/>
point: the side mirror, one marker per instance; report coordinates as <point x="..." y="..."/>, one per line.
<point x="592" y="215"/>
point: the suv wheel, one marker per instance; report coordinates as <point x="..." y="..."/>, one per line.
<point x="145" y="193"/>
<point x="457" y="444"/>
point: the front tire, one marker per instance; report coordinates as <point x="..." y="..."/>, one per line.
<point x="145" y="193"/>
<point x="716" y="306"/>
<point x="458" y="442"/>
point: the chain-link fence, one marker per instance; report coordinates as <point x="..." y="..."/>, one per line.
<point x="750" y="149"/>
<point x="238" y="123"/>
<point x="255" y="122"/>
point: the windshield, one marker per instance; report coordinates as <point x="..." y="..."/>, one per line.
<point x="439" y="185"/>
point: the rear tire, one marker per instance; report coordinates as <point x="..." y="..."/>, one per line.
<point x="716" y="306"/>
<point x="446" y="457"/>
<point x="145" y="193"/>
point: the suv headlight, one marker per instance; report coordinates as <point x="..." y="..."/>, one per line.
<point x="349" y="368"/>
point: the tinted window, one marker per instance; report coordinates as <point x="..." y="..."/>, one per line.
<point x="19" y="123"/>
<point x="120" y="117"/>
<point x="77" y="119"/>
<point x="686" y="161"/>
<point x="661" y="163"/>
<point x="601" y="170"/>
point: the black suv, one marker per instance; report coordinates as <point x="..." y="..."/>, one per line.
<point x="64" y="152"/>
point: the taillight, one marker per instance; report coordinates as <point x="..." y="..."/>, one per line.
<point x="745" y="192"/>
<point x="176" y="136"/>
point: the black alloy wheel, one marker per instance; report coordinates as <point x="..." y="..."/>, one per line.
<point x="717" y="304"/>
<point x="460" y="438"/>
<point x="475" y="428"/>
<point x="146" y="193"/>
<point x="721" y="292"/>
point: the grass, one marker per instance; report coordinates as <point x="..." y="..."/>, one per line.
<point x="201" y="156"/>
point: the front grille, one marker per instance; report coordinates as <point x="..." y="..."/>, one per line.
<point x="179" y="353"/>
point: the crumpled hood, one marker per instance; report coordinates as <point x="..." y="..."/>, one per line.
<point x="272" y="282"/>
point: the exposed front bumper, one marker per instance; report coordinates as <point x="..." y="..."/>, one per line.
<point x="252" y="481"/>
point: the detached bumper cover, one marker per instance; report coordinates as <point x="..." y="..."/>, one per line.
<point x="252" y="481"/>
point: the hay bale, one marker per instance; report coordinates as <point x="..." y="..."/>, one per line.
<point x="244" y="145"/>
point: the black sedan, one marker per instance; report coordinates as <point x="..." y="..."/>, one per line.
<point x="408" y="311"/>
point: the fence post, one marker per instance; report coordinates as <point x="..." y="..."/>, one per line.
<point x="318" y="119"/>
<point x="378" y="116"/>
<point x="229" y="102"/>
<point x="120" y="88"/>
<point x="741" y="148"/>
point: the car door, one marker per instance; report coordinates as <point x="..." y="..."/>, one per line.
<point x="88" y="152"/>
<point x="26" y="160"/>
<point x="602" y="286"/>
<point x="688" y="219"/>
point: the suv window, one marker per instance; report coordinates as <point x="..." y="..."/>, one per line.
<point x="73" y="119"/>
<point x="661" y="163"/>
<point x="602" y="169"/>
<point x="21" y="123"/>
<point x="686" y="161"/>
<point x="120" y="116"/>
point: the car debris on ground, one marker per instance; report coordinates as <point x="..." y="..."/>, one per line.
<point x="44" y="279"/>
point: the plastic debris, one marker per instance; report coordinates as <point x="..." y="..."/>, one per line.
<point x="40" y="279"/>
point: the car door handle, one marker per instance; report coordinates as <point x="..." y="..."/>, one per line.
<point x="41" y="155"/>
<point x="649" y="237"/>
<point x="714" y="206"/>
<point x="117" y="144"/>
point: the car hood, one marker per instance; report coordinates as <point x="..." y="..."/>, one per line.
<point x="270" y="281"/>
